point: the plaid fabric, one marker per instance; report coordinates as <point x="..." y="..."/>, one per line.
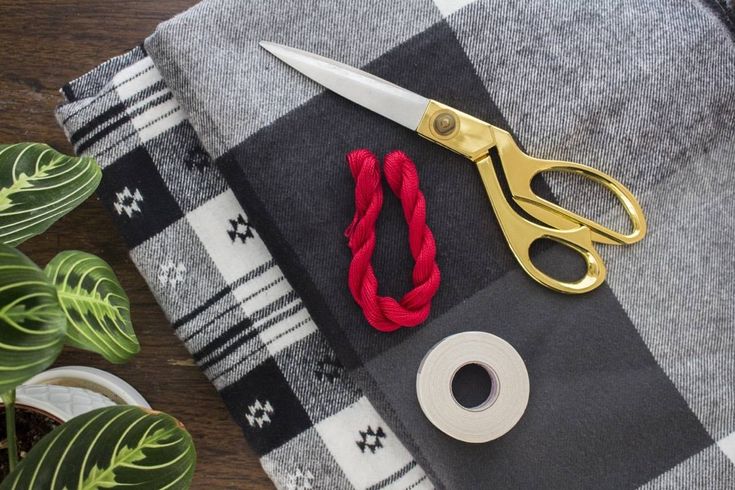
<point x="226" y="297"/>
<point x="630" y="385"/>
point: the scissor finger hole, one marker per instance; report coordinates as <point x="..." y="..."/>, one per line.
<point x="558" y="260"/>
<point x="586" y="195"/>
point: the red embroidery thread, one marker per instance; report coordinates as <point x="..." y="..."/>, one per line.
<point x="382" y="312"/>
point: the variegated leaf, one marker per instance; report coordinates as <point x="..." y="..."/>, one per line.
<point x="39" y="185"/>
<point x="96" y="306"/>
<point x="32" y="323"/>
<point x="113" y="447"/>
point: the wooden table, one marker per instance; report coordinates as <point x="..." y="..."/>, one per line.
<point x="43" y="44"/>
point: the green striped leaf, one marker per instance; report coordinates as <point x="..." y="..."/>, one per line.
<point x="32" y="323"/>
<point x="96" y="306"/>
<point x="113" y="447"/>
<point x="39" y="185"/>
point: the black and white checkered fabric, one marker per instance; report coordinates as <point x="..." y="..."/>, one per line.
<point x="226" y="297"/>
<point x="224" y="170"/>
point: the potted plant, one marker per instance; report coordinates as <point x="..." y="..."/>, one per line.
<point x="76" y="300"/>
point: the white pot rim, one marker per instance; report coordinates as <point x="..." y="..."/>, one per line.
<point x="22" y="401"/>
<point x="89" y="376"/>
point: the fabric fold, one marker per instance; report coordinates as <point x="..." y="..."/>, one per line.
<point x="226" y="297"/>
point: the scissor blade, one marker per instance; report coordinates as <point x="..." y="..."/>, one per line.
<point x="387" y="99"/>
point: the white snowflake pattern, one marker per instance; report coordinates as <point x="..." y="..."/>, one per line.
<point x="128" y="202"/>
<point x="259" y="413"/>
<point x="172" y="274"/>
<point x="300" y="480"/>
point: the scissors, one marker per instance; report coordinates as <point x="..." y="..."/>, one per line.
<point x="474" y="139"/>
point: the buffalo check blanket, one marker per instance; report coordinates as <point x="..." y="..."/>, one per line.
<point x="224" y="170"/>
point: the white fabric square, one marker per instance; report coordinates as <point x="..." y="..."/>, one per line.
<point x="223" y="227"/>
<point x="364" y="446"/>
<point x="448" y="7"/>
<point x="727" y="445"/>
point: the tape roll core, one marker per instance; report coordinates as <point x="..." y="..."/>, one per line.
<point x="508" y="396"/>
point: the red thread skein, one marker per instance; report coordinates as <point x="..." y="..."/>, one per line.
<point x="382" y="312"/>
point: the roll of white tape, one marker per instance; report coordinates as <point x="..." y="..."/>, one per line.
<point x="508" y="396"/>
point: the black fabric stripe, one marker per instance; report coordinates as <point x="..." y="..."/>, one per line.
<point x="157" y="87"/>
<point x="416" y="483"/>
<point x="201" y="308"/>
<point x="221" y="293"/>
<point x="102" y="94"/>
<point x="102" y="133"/>
<point x="135" y="132"/>
<point x="395" y="476"/>
<point x="281" y="316"/>
<point x="233" y="330"/>
<point x="234" y="306"/>
<point x="238" y="363"/>
<point x="290" y="330"/>
<point x="68" y="94"/>
<point x="241" y="340"/>
<point x="276" y="305"/>
<point x="229" y="349"/>
<point x="218" y="342"/>
<point x="95" y="122"/>
<point x="115" y="111"/>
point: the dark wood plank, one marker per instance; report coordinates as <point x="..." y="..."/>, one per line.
<point x="43" y="44"/>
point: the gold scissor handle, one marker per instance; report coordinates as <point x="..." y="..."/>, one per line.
<point x="520" y="169"/>
<point x="522" y="233"/>
<point x="474" y="138"/>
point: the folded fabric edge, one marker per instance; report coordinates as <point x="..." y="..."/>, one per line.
<point x="113" y="117"/>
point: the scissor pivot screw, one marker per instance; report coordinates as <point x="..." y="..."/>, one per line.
<point x="445" y="123"/>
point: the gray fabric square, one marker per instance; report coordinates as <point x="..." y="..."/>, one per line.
<point x="177" y="269"/>
<point x="602" y="413"/>
<point x="227" y="101"/>
<point x="185" y="166"/>
<point x="677" y="285"/>
<point x="304" y="462"/>
<point x="317" y="377"/>
<point x="635" y="92"/>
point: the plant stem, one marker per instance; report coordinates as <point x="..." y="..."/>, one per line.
<point x="9" y="401"/>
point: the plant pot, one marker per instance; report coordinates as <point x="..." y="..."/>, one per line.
<point x="92" y="379"/>
<point x="31" y="425"/>
<point x="60" y="402"/>
<point x="40" y="408"/>
<point x="60" y="394"/>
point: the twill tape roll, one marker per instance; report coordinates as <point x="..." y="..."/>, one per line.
<point x="508" y="396"/>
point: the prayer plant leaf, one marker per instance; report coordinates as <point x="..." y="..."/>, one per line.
<point x="96" y="306"/>
<point x="39" y="185"/>
<point x="111" y="447"/>
<point x="32" y="323"/>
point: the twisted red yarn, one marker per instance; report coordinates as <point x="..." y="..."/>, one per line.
<point x="382" y="312"/>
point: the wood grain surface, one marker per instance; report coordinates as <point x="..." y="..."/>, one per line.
<point x="44" y="44"/>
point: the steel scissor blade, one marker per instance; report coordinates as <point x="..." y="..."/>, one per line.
<point x="385" y="98"/>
